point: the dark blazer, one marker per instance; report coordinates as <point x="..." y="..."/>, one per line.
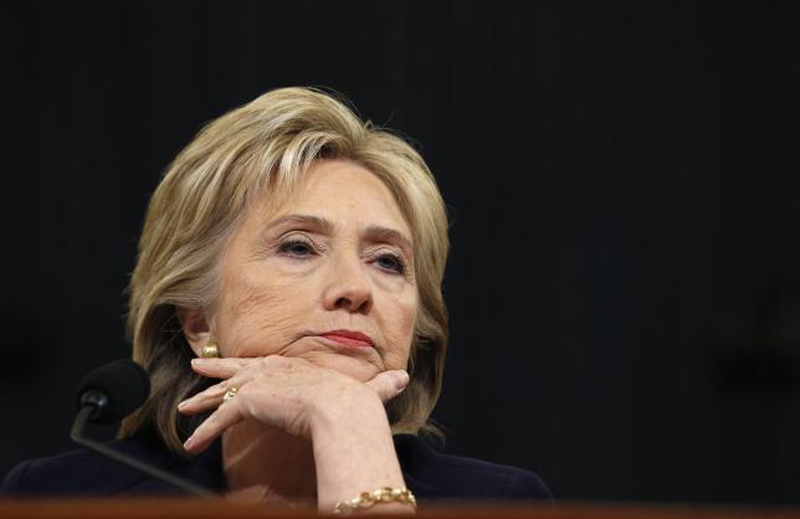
<point x="430" y="475"/>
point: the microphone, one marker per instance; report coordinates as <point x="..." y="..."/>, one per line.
<point x="108" y="394"/>
<point x="113" y="391"/>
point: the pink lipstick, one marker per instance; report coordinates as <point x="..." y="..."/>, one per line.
<point x="349" y="338"/>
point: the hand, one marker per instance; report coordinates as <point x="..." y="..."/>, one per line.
<point x="288" y="393"/>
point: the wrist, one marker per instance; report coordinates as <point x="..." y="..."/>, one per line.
<point x="351" y="411"/>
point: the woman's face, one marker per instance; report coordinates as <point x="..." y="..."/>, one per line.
<point x="328" y="277"/>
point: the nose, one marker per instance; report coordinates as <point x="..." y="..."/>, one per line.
<point x="348" y="287"/>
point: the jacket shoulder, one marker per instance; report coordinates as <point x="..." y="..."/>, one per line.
<point x="432" y="474"/>
<point x="82" y="472"/>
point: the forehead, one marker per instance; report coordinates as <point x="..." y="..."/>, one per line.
<point x="339" y="191"/>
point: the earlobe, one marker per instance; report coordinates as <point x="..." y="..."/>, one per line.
<point x="195" y="328"/>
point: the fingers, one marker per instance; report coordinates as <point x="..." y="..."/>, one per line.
<point x="207" y="399"/>
<point x="389" y="384"/>
<point x="225" y="416"/>
<point x="219" y="368"/>
<point x="279" y="386"/>
<point x="212" y="397"/>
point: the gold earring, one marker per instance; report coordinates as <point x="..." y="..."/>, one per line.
<point x="210" y="351"/>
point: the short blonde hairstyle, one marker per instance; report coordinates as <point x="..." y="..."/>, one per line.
<point x="263" y="148"/>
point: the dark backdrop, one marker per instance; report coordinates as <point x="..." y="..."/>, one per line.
<point x="623" y="184"/>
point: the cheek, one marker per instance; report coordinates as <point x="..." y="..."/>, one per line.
<point x="409" y="320"/>
<point x="403" y="319"/>
<point x="254" y="319"/>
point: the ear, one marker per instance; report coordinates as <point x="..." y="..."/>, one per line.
<point x="195" y="328"/>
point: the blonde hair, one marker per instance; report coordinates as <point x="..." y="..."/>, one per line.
<point x="264" y="147"/>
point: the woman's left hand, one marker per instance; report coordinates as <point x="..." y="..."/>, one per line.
<point x="287" y="393"/>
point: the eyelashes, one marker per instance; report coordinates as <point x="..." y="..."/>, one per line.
<point x="303" y="248"/>
<point x="391" y="262"/>
<point x="297" y="248"/>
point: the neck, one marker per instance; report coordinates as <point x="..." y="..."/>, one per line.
<point x="266" y="464"/>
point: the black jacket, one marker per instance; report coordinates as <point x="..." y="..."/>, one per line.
<point x="430" y="475"/>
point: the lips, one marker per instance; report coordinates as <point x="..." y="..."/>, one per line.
<point x="349" y="338"/>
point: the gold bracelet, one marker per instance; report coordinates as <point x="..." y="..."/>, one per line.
<point x="381" y="495"/>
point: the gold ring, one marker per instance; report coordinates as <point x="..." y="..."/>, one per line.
<point x="230" y="394"/>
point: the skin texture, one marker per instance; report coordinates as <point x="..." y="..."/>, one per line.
<point x="314" y="322"/>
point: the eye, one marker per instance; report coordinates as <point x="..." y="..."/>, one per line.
<point x="296" y="248"/>
<point x="391" y="263"/>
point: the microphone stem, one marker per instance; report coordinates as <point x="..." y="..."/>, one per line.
<point x="77" y="436"/>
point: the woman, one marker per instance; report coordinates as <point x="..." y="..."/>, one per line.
<point x="287" y="304"/>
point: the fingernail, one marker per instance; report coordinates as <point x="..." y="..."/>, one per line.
<point x="188" y="443"/>
<point x="401" y="380"/>
<point x="182" y="405"/>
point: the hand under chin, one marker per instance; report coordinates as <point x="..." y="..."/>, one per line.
<point x="360" y="366"/>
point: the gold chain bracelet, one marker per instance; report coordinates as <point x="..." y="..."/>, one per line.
<point x="381" y="495"/>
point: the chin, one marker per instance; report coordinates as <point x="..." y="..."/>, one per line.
<point x="356" y="368"/>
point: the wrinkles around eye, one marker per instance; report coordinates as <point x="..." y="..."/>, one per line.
<point x="298" y="247"/>
<point x="389" y="261"/>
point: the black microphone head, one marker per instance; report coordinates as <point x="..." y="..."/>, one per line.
<point x="123" y="386"/>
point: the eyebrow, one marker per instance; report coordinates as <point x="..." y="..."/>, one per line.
<point x="375" y="233"/>
<point x="378" y="233"/>
<point x="305" y="220"/>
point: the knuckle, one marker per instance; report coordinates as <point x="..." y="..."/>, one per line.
<point x="271" y="361"/>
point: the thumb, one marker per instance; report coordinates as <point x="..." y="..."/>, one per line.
<point x="389" y="384"/>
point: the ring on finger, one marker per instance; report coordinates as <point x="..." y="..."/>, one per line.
<point x="230" y="394"/>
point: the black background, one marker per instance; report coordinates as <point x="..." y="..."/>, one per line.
<point x="622" y="181"/>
